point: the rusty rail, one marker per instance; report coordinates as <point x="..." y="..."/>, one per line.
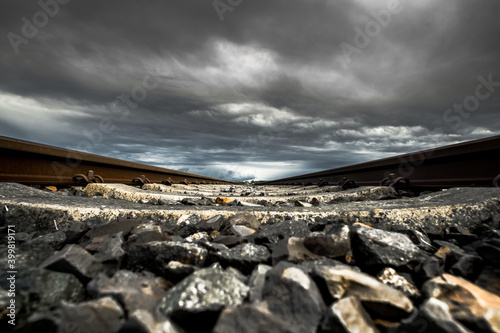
<point x="472" y="163"/>
<point x="38" y="164"/>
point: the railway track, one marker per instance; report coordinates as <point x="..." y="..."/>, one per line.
<point x="156" y="250"/>
<point x="474" y="163"/>
<point x="32" y="163"/>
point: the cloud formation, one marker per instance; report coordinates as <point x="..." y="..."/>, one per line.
<point x="278" y="88"/>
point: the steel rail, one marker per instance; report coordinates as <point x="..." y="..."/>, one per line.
<point x="33" y="163"/>
<point x="472" y="163"/>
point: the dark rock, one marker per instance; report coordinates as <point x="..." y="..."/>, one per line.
<point x="332" y="245"/>
<point x="323" y="224"/>
<point x="205" y="202"/>
<point x="490" y="254"/>
<point x="256" y="282"/>
<point x="56" y="240"/>
<point x="114" y="227"/>
<point x="147" y="232"/>
<point x="213" y="224"/>
<point x="201" y="297"/>
<point x="74" y="260"/>
<point x="141" y="321"/>
<point x="272" y="234"/>
<point x="252" y="318"/>
<point x="75" y="231"/>
<point x="28" y="255"/>
<point x="449" y="245"/>
<point x="373" y="248"/>
<point x="468" y="266"/>
<point x="489" y="279"/>
<point x="433" y="316"/>
<point x="429" y="268"/>
<point x="293" y="296"/>
<point x="187" y="230"/>
<point x="111" y="253"/>
<point x="245" y="219"/>
<point x="176" y="271"/>
<point x="243" y="257"/>
<point x="465" y="302"/>
<point x="21" y="237"/>
<point x="348" y="316"/>
<point x="134" y="291"/>
<point x="230" y="241"/>
<point x="188" y="202"/>
<point x="40" y="290"/>
<point x="379" y="299"/>
<point x="97" y="316"/>
<point x="310" y="265"/>
<point x="154" y="256"/>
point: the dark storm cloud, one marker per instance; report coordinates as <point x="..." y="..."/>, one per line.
<point x="270" y="91"/>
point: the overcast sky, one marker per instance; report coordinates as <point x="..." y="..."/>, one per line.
<point x="249" y="89"/>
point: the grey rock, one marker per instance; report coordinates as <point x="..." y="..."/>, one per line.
<point x="245" y="219"/>
<point x="433" y="316"/>
<point x="243" y="257"/>
<point x="40" y="290"/>
<point x="252" y="318"/>
<point x="56" y="240"/>
<point x="272" y="234"/>
<point x="154" y="256"/>
<point x="98" y="316"/>
<point x="74" y="260"/>
<point x="256" y="282"/>
<point x="135" y="291"/>
<point x="237" y="273"/>
<point x="163" y="202"/>
<point x="28" y="255"/>
<point x="348" y="316"/>
<point x="474" y="307"/>
<point x="293" y="296"/>
<point x="373" y="248"/>
<point x="201" y="297"/>
<point x="380" y="299"/>
<point x="147" y="232"/>
<point x="335" y="244"/>
<point x="292" y="249"/>
<point x="111" y="250"/>
<point x="242" y="231"/>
